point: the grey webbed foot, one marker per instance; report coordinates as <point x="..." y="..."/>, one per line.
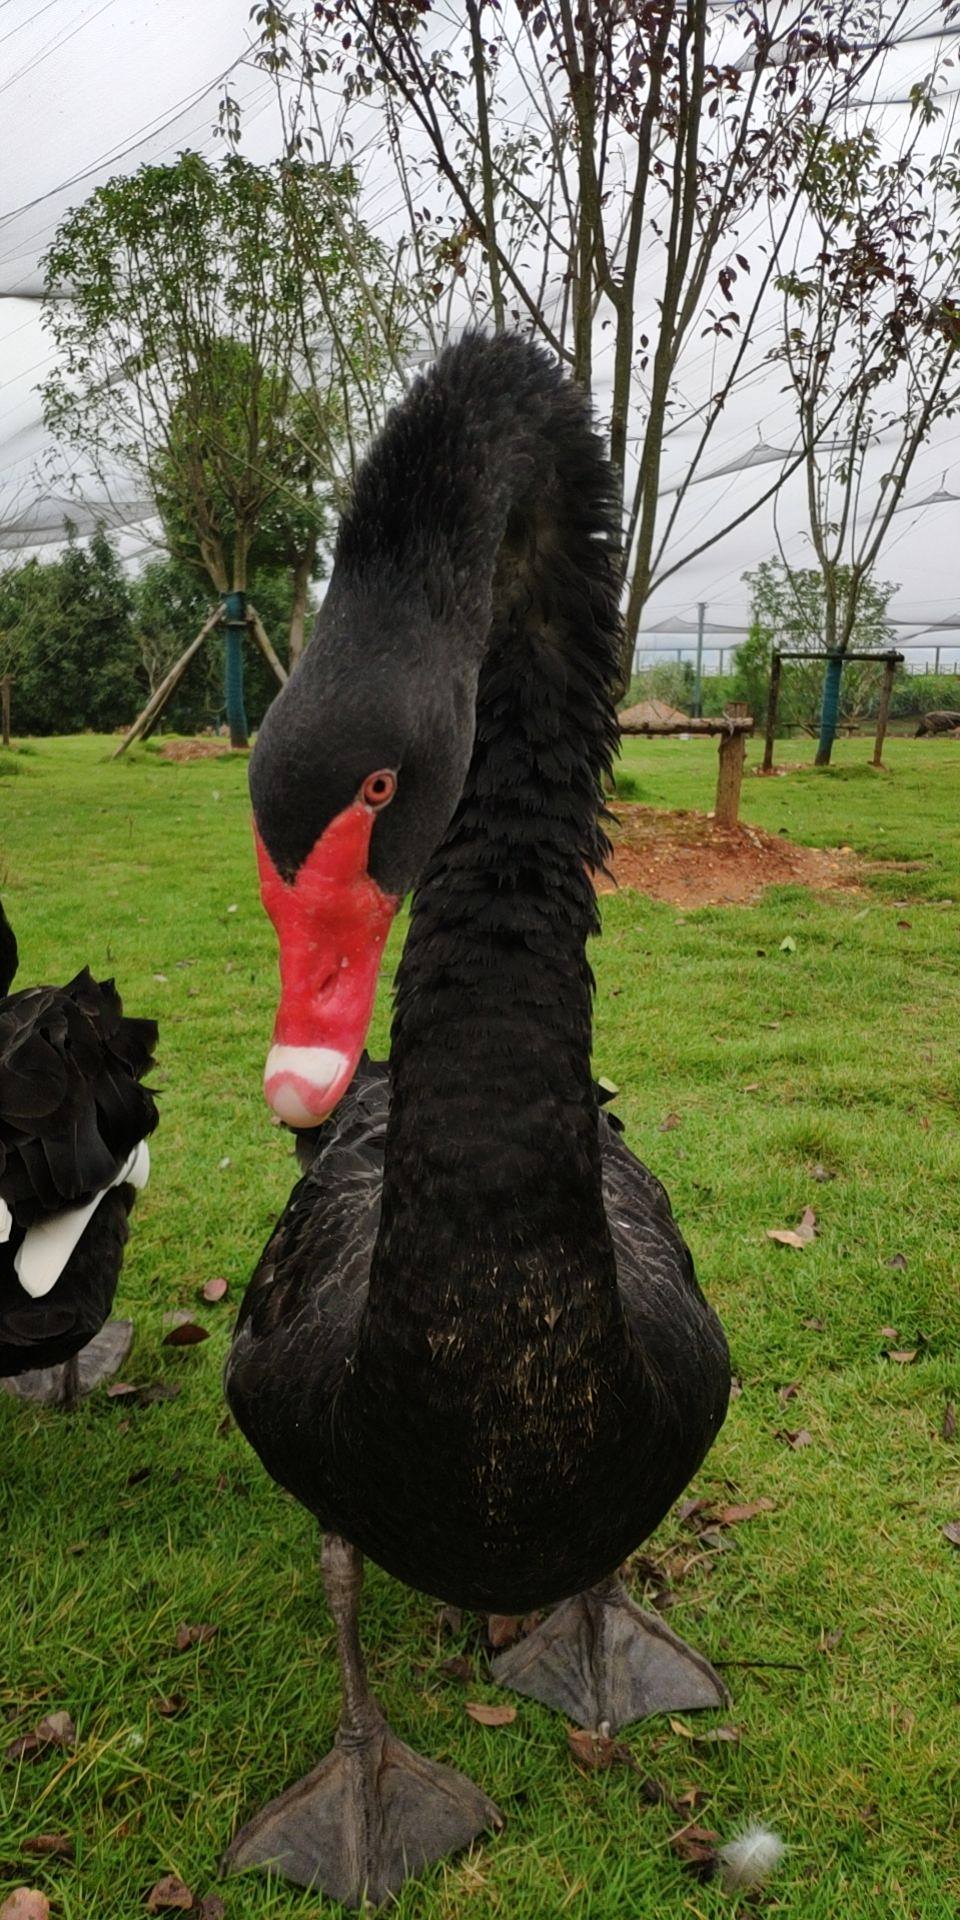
<point x="370" y="1816"/>
<point x="373" y="1813"/>
<point x="602" y="1660"/>
<point x="63" y="1386"/>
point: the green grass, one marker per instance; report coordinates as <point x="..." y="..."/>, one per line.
<point x="121" y="1522"/>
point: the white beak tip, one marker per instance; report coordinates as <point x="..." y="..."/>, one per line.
<point x="303" y="1084"/>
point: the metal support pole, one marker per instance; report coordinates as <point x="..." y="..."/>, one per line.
<point x="698" y="673"/>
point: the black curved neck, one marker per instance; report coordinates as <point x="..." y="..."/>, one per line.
<point x="493" y="1105"/>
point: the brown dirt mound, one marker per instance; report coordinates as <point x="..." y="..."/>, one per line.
<point x="195" y="750"/>
<point x="686" y="859"/>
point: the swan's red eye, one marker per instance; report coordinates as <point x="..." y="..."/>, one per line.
<point x="379" y="788"/>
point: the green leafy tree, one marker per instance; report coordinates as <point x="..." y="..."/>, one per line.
<point x="871" y="348"/>
<point x="190" y="306"/>
<point x="77" y="663"/>
<point x="171" y="601"/>
<point x="790" y="610"/>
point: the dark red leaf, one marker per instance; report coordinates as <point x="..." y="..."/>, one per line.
<point x="186" y="1333"/>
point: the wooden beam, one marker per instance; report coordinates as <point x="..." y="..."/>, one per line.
<point x="264" y="644"/>
<point x="147" y="719"/>
<point x="655" y="729"/>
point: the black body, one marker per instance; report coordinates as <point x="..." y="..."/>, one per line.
<point x="475" y="1345"/>
<point x="71" y="1111"/>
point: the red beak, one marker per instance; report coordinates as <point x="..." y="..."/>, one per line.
<point x="332" y="923"/>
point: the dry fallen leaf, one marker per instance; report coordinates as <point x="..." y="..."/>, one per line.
<point x="169" y="1704"/>
<point x="796" y="1440"/>
<point x="669" y="1122"/>
<point x="450" y="1619"/>
<point x="697" y="1848"/>
<point x="732" y="1516"/>
<point x="948" y="1431"/>
<point x="951" y="1532"/>
<point x="212" y="1907"/>
<point x="798" y="1236"/>
<point x="889" y="1333"/>
<point x="814" y="1326"/>
<point x="503" y="1629"/>
<point x="58" y="1845"/>
<point x="595" y="1751"/>
<point x="458" y="1667"/>
<point x="904" y="1356"/>
<point x="897" y="1260"/>
<point x="54" y="1730"/>
<point x="213" y="1290"/>
<point x="490" y="1716"/>
<point x="790" y="1392"/>
<point x="830" y="1641"/>
<point x="170" y="1894"/>
<point x="25" y="1903"/>
<point x="186" y="1333"/>
<point x="187" y="1636"/>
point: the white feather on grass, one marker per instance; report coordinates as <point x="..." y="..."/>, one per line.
<point x="750" y="1858"/>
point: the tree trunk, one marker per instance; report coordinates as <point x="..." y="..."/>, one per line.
<point x="5" y="685"/>
<point x="829" y="710"/>
<point x="235" y="622"/>
<point x="302" y="569"/>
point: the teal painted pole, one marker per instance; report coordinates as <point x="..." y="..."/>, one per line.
<point x="235" y="625"/>
<point x="830" y="709"/>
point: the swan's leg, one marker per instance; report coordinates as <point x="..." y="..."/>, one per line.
<point x="603" y="1661"/>
<point x="63" y="1386"/>
<point x="373" y="1813"/>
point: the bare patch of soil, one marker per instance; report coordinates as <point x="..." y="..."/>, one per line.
<point x="197" y="750"/>
<point x="688" y="860"/>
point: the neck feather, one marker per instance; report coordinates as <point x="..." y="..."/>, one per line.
<point x="494" y="1112"/>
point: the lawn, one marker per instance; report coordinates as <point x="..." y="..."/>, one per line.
<point x="743" y="1064"/>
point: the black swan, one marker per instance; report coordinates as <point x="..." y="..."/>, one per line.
<point x="73" y="1125"/>
<point x="474" y="1347"/>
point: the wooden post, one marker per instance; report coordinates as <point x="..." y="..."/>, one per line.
<point x="6" y="683"/>
<point x="772" y="704"/>
<point x="732" y="751"/>
<point x="883" y="711"/>
<point x="260" y="636"/>
<point x="147" y="720"/>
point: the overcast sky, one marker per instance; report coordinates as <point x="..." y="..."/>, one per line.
<point x="92" y="87"/>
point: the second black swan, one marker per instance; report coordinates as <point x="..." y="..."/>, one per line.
<point x="74" y="1121"/>
<point x="475" y="1347"/>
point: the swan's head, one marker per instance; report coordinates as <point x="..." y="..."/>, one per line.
<point x="354" y="777"/>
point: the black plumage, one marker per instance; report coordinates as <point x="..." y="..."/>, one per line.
<point x="72" y="1110"/>
<point x="475" y="1347"/>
